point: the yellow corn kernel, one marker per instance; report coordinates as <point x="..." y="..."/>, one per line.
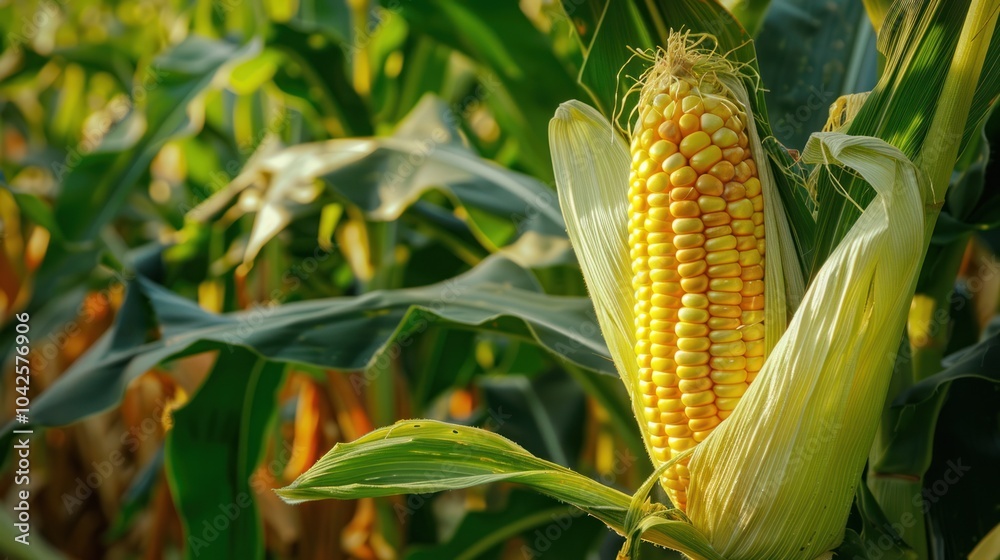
<point x="688" y="124"/>
<point x="725" y="138"/>
<point x="696" y="284"/>
<point x="723" y="171"/>
<point x="690" y="255"/>
<point x="683" y="193"/>
<point x="725" y="335"/>
<point x="728" y="363"/>
<point x="704" y="160"/>
<point x="684" y="209"/>
<point x="716" y="219"/>
<point x="683" y="177"/>
<point x="700" y="344"/>
<point x="709" y="185"/>
<point x="673" y="163"/>
<point x="688" y="386"/>
<point x="662" y="149"/>
<point x="694" y="143"/>
<point x="710" y="123"/>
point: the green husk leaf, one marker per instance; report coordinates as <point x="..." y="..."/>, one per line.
<point x="933" y="93"/>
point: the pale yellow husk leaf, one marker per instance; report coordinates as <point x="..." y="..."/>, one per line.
<point x="591" y="163"/>
<point x="777" y="478"/>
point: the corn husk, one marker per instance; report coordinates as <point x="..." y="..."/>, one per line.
<point x="777" y="478"/>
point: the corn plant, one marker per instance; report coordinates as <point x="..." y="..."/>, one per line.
<point x="732" y="370"/>
<point x="332" y="238"/>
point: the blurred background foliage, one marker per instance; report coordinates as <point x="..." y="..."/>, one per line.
<point x="246" y="230"/>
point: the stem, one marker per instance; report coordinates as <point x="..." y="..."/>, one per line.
<point x="382" y="237"/>
<point x="904" y="443"/>
<point x="904" y="446"/>
<point x="939" y="151"/>
<point x="362" y="71"/>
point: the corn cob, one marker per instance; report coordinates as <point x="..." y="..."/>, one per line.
<point x="696" y="232"/>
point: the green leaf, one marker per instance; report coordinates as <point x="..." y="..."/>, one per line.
<point x="547" y="414"/>
<point x="960" y="491"/>
<point x="585" y="16"/>
<point x="101" y="57"/>
<point x="877" y="10"/>
<point x="94" y="189"/>
<point x="750" y="13"/>
<point x="137" y="497"/>
<point x="497" y="296"/>
<point x="102" y="362"/>
<point x="969" y="363"/>
<point x="508" y="211"/>
<point x="877" y="529"/>
<point x="522" y="80"/>
<point x="212" y="451"/>
<point x="969" y="205"/>
<point x="609" y="70"/>
<point x="918" y="40"/>
<point x="321" y="77"/>
<point x="35" y="209"/>
<point x="95" y="186"/>
<point x="423" y="456"/>
<point x="332" y="18"/>
<point x="810" y="53"/>
<point x="611" y="394"/>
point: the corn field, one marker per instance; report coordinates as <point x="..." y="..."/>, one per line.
<point x="499" y="280"/>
